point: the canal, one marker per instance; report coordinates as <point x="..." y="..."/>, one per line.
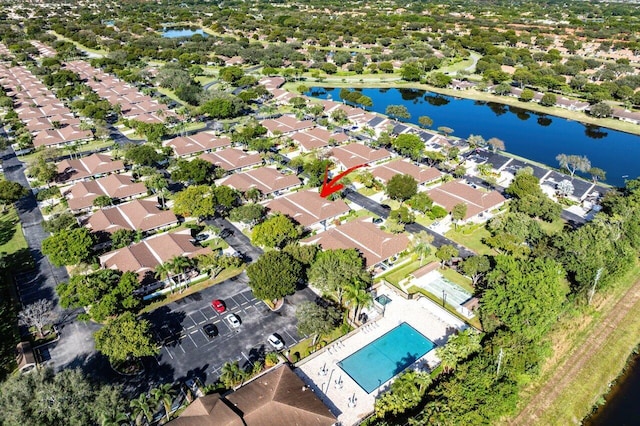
<point x="536" y="136"/>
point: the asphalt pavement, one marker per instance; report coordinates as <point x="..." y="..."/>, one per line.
<point x="236" y="239"/>
<point x="75" y="345"/>
<point x="186" y="352"/>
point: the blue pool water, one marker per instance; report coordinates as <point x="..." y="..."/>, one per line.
<point x="386" y="356"/>
<point x="182" y="32"/>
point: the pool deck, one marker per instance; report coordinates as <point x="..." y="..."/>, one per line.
<point x="348" y="401"/>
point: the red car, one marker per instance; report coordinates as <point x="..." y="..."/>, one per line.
<point x="218" y="306"/>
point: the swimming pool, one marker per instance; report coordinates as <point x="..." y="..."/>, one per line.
<point x="386" y="356"/>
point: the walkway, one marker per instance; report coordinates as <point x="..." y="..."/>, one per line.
<point x="76" y="341"/>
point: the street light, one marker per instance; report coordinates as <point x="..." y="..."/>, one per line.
<point x="444" y="298"/>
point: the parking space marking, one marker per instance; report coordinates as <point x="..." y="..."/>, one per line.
<point x="290" y="336"/>
<point x="168" y="352"/>
<point x="194" y="331"/>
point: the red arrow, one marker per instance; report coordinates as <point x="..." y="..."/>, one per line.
<point x="332" y="186"/>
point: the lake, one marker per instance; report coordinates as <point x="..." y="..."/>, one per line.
<point x="536" y="136"/>
<point x="181" y="32"/>
<point x="622" y="403"/>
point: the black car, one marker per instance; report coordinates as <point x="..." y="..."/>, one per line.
<point x="210" y="330"/>
<point x="385" y="206"/>
<point x="226" y="233"/>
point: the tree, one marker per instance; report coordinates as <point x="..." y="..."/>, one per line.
<point x="225" y="198"/>
<point x="422" y="244"/>
<point x="143" y="155"/>
<point x="274" y="275"/>
<point x="548" y="99"/>
<point x="163" y="394"/>
<point x="250" y="213"/>
<point x="405" y="393"/>
<point x="420" y="202"/>
<point x="69" y="246"/>
<point x="446" y="252"/>
<point x="125" y="337"/>
<point x="66" y="398"/>
<point x="475" y="267"/>
<point x="574" y="163"/>
<point x="402" y="215"/>
<point x="526" y="95"/>
<point x="196" y="171"/>
<point x="334" y="269"/>
<point x="38" y="314"/>
<point x="102" y="201"/>
<point x="398" y="112"/>
<point x="597" y="174"/>
<point x="523" y="295"/>
<point x="458" y="213"/>
<point x="231" y="374"/>
<point x="402" y="187"/>
<point x="565" y="188"/>
<point x="142" y="409"/>
<point x="43" y="170"/>
<point x="409" y="145"/>
<point x="276" y="231"/>
<point x="356" y="296"/>
<point x="496" y="144"/>
<point x="459" y="347"/>
<point x="601" y="110"/>
<point x="222" y="106"/>
<point x="445" y="130"/>
<point x="59" y="222"/>
<point x="314" y="320"/>
<point x="476" y="141"/>
<point x="10" y="192"/>
<point x="180" y="265"/>
<point x="425" y="121"/>
<point x="196" y="201"/>
<point x="158" y="184"/>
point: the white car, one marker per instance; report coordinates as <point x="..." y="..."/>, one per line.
<point x="233" y="320"/>
<point x="275" y="342"/>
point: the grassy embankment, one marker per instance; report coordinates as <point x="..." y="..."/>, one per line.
<point x="15" y="257"/>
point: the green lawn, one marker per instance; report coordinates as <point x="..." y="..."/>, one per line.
<point x="15" y="253"/>
<point x="553" y="227"/>
<point x="89" y="146"/>
<point x="398" y="274"/>
<point x="457" y="278"/>
<point x="471" y="236"/>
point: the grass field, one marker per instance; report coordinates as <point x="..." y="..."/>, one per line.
<point x="471" y="236"/>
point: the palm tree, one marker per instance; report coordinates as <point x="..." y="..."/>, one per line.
<point x="163" y="271"/>
<point x="357" y="296"/>
<point x="422" y="244"/>
<point x="164" y="394"/>
<point x="231" y="374"/>
<point x="113" y="418"/>
<point x="141" y="409"/>
<point x="180" y="264"/>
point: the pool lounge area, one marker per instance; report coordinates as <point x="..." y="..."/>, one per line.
<point x="349" y="374"/>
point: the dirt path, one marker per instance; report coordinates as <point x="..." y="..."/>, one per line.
<point x="566" y="372"/>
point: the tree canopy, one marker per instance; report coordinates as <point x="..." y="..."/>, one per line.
<point x="276" y="231"/>
<point x="125" y="337"/>
<point x="274" y="275"/>
<point x="68" y="246"/>
<point x="402" y="187"/>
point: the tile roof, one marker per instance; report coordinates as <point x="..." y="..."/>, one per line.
<point x="232" y="158"/>
<point x="374" y="244"/>
<point x="141" y="215"/>
<point x="143" y="257"/>
<point x="286" y="124"/>
<point x="317" y="138"/>
<point x="81" y="195"/>
<point x="355" y="154"/>
<point x="307" y="207"/>
<point x="199" y="142"/>
<point x="455" y="192"/>
<point x="94" y="164"/>
<point x="266" y="179"/>
<point x="386" y="171"/>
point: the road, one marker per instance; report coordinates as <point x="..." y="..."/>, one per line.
<point x="376" y="208"/>
<point x="237" y="239"/>
<point x="76" y="338"/>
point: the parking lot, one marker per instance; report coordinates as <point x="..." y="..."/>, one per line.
<point x="190" y="353"/>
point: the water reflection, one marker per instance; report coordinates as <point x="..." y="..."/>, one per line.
<point x="411" y="94"/>
<point x="544" y="120"/>
<point x="522" y="114"/>
<point x="498" y="109"/>
<point x="594" y="132"/>
<point x="436" y="100"/>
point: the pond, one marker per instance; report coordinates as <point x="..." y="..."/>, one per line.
<point x="536" y="136"/>
<point x="182" y="32"/>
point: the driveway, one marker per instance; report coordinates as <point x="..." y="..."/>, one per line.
<point x="236" y="239"/>
<point x="187" y="352"/>
<point x="76" y="342"/>
<point x="414" y="228"/>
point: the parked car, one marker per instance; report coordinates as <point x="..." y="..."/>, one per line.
<point x="202" y="237"/>
<point x="377" y="220"/>
<point x="275" y="341"/>
<point x="218" y="306"/>
<point x="385" y="206"/>
<point x="226" y="233"/>
<point x="210" y="330"/>
<point x="233" y="320"/>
